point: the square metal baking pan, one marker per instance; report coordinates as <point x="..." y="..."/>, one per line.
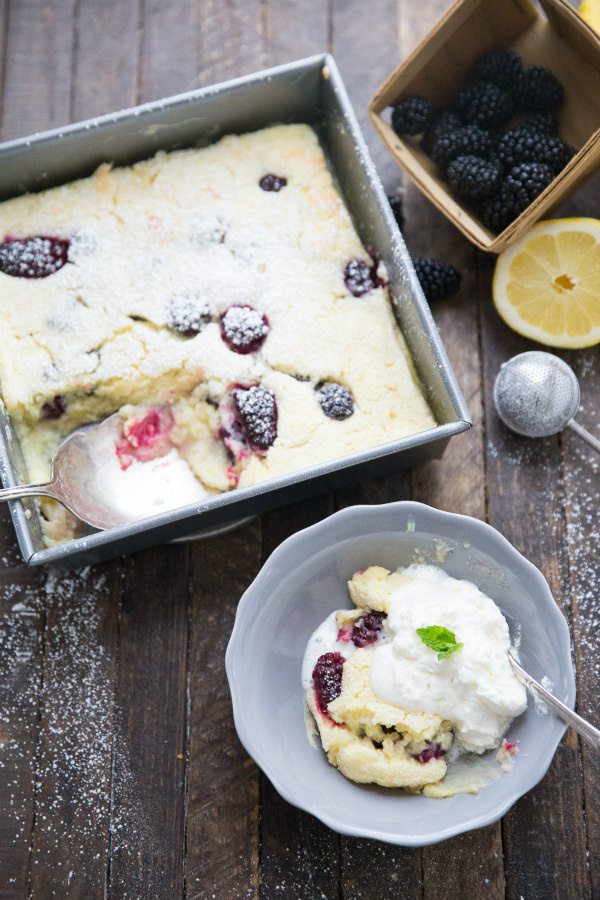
<point x="311" y="91"/>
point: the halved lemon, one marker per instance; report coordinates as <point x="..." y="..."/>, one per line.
<point x="547" y="285"/>
<point x="590" y="11"/>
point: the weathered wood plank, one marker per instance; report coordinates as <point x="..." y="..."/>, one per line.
<point x="169" y="63"/>
<point x="582" y="489"/>
<point x="22" y="617"/>
<point x="38" y="66"/>
<point x="581" y="492"/>
<point x="295" y="30"/>
<point x="148" y="822"/>
<point x="223" y="783"/>
<point x="525" y="497"/>
<point x="457" y="483"/>
<point x="364" y="42"/>
<point x="107" y="51"/>
<point x="36" y="95"/>
<point x="72" y="835"/>
<point x="299" y="855"/>
<point x="232" y="39"/>
<point x="73" y="765"/>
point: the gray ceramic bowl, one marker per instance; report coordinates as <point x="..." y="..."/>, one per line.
<point x="302" y="582"/>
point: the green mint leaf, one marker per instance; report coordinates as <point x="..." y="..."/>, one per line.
<point x="440" y="639"/>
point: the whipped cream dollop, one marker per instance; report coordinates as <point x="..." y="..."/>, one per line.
<point x="474" y="687"/>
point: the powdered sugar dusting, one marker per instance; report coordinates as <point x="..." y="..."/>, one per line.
<point x="244" y="328"/>
<point x="582" y="487"/>
<point x="66" y="621"/>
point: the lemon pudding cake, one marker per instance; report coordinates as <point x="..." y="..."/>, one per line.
<point x="414" y="676"/>
<point x="220" y="298"/>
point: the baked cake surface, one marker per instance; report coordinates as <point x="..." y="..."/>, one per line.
<point x="189" y="279"/>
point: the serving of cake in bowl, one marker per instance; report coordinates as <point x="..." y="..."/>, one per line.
<point x="417" y="729"/>
<point x="413" y="679"/>
<point x="220" y="298"/>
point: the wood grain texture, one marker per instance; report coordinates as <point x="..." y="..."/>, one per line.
<point x="232" y="39"/>
<point x="364" y="41"/>
<point x="38" y="66"/>
<point x="106" y="56"/>
<point x="526" y="503"/>
<point x="582" y="489"/>
<point x="169" y="51"/>
<point x="222" y="837"/>
<point x="581" y="467"/>
<point x="74" y="761"/>
<point x="223" y="783"/>
<point x="457" y="482"/>
<point x="148" y="817"/>
<point x="37" y="78"/>
<point x="74" y="756"/>
<point x="299" y="856"/>
<point x="22" y="620"/>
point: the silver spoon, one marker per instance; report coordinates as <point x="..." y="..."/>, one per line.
<point x="76" y="477"/>
<point x="536" y="394"/>
<point x="581" y="726"/>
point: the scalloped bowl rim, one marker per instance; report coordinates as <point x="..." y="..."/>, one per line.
<point x="305" y="802"/>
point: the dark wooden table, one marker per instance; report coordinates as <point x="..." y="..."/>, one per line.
<point x="120" y="771"/>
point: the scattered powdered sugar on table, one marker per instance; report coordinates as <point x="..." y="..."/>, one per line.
<point x="69" y="705"/>
<point x="582" y="488"/>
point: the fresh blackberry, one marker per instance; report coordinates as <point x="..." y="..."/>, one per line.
<point x="445" y="120"/>
<point x="470" y="140"/>
<point x="525" y="144"/>
<point x="501" y="67"/>
<point x="437" y="279"/>
<point x="395" y="202"/>
<point x="545" y="122"/>
<point x="520" y="188"/>
<point x="537" y="89"/>
<point x="474" y="177"/>
<point x="498" y="212"/>
<point x="525" y="181"/>
<point x="411" y="116"/>
<point x="485" y="104"/>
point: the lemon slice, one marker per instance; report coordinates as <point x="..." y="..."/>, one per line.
<point x="547" y="285"/>
<point x="590" y="12"/>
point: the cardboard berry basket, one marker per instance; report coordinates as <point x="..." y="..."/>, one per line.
<point x="310" y="91"/>
<point x="554" y="36"/>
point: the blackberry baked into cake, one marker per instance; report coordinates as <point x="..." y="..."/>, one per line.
<point x="220" y="297"/>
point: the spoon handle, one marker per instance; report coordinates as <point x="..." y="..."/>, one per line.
<point x="28" y="490"/>
<point x="584" y="434"/>
<point x="581" y="726"/>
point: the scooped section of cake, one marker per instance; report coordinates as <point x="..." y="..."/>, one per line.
<point x="417" y="674"/>
<point x="226" y="283"/>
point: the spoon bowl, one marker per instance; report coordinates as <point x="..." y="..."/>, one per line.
<point x="87" y="478"/>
